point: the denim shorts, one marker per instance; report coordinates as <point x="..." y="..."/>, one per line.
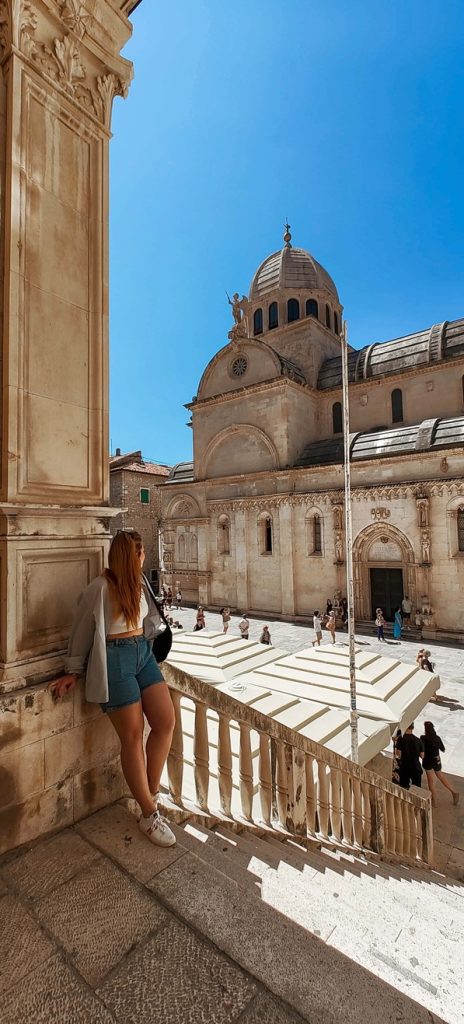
<point x="131" y="667"/>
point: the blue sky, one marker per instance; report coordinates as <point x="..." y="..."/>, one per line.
<point x="346" y="116"/>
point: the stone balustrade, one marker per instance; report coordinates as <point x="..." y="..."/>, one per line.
<point x="302" y="786"/>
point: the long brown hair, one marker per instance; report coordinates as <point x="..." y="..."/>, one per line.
<point x="124" y="574"/>
<point x="429" y="730"/>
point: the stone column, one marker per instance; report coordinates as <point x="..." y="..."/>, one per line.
<point x="61" y="69"/>
<point x="203" y="562"/>
<point x="241" y="567"/>
<point x="287" y="582"/>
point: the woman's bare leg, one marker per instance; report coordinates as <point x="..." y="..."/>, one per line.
<point x="159" y="711"/>
<point x="431" y="785"/>
<point x="128" y="723"/>
<point x="444" y="781"/>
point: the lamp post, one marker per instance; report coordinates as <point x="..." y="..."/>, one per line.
<point x="349" y="545"/>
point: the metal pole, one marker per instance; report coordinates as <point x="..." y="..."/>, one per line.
<point x="349" y="546"/>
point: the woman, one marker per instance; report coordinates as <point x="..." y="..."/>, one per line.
<point x="225" y="613"/>
<point x="265" y="637"/>
<point x="328" y="607"/>
<point x="200" y="621"/>
<point x="397" y="625"/>
<point x="111" y="642"/>
<point x="431" y="764"/>
<point x="332" y="625"/>
<point x="380" y="623"/>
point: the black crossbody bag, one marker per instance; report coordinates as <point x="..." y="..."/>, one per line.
<point x="163" y="642"/>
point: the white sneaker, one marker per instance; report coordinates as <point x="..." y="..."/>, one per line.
<point x="157" y="830"/>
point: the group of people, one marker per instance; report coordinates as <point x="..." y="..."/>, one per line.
<point x="166" y="598"/>
<point x="402" y="618"/>
<point x="413" y="755"/>
<point x="329" y="620"/>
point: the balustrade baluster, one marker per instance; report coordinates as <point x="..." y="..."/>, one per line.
<point x="413" y="831"/>
<point x="201" y="755"/>
<point x="264" y="772"/>
<point x="366" y="814"/>
<point x="427" y="835"/>
<point x="323" y="799"/>
<point x="224" y="760"/>
<point x="377" y="841"/>
<point x="310" y="795"/>
<point x="246" y="772"/>
<point x="390" y="832"/>
<point x="357" y="812"/>
<point x="398" y="826"/>
<point x="335" y="804"/>
<point x="281" y="783"/>
<point x="296" y="821"/>
<point x="347" y="814"/>
<point x="175" y="762"/>
<point x="406" y="828"/>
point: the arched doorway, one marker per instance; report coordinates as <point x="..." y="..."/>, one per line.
<point x="384" y="570"/>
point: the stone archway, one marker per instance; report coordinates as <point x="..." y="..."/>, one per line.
<point x="381" y="546"/>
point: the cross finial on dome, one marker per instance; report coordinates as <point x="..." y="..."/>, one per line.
<point x="287" y="236"/>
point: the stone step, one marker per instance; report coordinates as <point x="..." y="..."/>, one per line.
<point x="348" y="903"/>
<point x="314" y="978"/>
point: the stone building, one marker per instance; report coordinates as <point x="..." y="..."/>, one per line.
<point x="134" y="488"/>
<point x="257" y="519"/>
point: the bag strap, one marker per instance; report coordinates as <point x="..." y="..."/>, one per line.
<point x="152" y="595"/>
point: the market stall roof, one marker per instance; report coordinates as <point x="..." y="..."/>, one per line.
<point x="388" y="689"/>
<point x="219" y="657"/>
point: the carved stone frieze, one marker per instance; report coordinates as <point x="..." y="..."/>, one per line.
<point x="259" y="504"/>
<point x="380" y="513"/>
<point x="74" y="16"/>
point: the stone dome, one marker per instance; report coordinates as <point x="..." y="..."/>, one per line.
<point x="291" y="269"/>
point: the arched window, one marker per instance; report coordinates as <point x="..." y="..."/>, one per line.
<point x="336" y="326"/>
<point x="337" y="418"/>
<point x="293" y="310"/>
<point x="397" y="405"/>
<point x="181" y="547"/>
<point x="273" y="315"/>
<point x="193" y="547"/>
<point x="314" y="534"/>
<point x="258" y="321"/>
<point x="327" y="316"/>
<point x="265" y="534"/>
<point x="460" y="529"/>
<point x="312" y="308"/>
<point x="223" y="536"/>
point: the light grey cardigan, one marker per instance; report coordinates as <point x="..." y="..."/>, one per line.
<point x="87" y="643"/>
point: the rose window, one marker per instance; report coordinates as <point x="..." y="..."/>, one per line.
<point x="239" y="366"/>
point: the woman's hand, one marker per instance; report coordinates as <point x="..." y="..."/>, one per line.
<point x="61" y="686"/>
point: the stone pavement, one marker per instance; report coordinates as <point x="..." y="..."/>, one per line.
<point x="100" y="927"/>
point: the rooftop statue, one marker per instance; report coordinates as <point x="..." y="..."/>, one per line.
<point x="239" y="313"/>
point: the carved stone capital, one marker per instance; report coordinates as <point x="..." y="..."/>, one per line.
<point x="62" y="40"/>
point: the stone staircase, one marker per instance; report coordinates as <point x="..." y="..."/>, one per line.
<point x="336" y="936"/>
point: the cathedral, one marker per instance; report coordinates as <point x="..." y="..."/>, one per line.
<point x="256" y="521"/>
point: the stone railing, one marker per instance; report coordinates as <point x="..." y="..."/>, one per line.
<point x="302" y="786"/>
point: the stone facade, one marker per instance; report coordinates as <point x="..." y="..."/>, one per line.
<point x="257" y="521"/>
<point x="61" y="68"/>
<point x="134" y="487"/>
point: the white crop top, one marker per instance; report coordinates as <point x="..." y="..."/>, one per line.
<point x="119" y="625"/>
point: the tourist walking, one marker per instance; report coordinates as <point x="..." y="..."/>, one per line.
<point x="332" y="625"/>
<point x="380" y="623"/>
<point x="169" y="598"/>
<point x="423" y="659"/>
<point x="433" y="744"/>
<point x="225" y="612"/>
<point x="317" y="626"/>
<point x="265" y="637"/>
<point x="329" y="606"/>
<point x="179" y="600"/>
<point x="344" y="608"/>
<point x="406" y="608"/>
<point x="397" y="625"/>
<point x="409" y="751"/>
<point x="111" y="644"/>
<point x="244" y="627"/>
<point x="200" y="622"/>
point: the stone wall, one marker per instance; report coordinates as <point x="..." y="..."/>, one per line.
<point x="125" y="487"/>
